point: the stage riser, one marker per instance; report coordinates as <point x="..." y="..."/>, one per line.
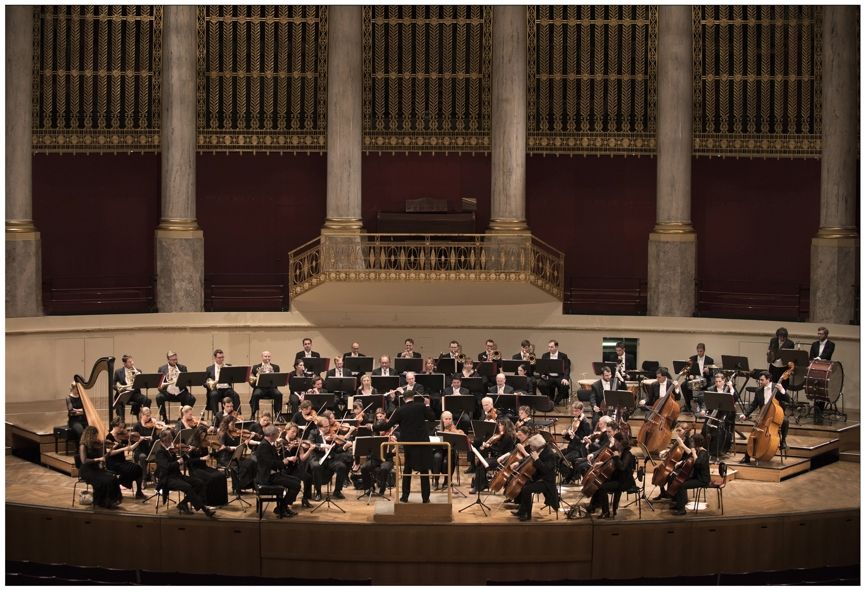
<point x="61" y="463"/>
<point x="434" y="554"/>
<point x="850" y="456"/>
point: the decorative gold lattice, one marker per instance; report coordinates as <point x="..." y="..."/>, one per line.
<point x="591" y="85"/>
<point x="427" y="78"/>
<point x="262" y="78"/>
<point x="96" y="78"/>
<point x="757" y="81"/>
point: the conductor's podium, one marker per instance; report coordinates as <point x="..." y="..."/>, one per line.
<point x="416" y="512"/>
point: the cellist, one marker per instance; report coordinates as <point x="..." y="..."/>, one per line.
<point x="700" y="474"/>
<point x="544" y="479"/>
<point x="766" y="389"/>
<point x="622" y="478"/>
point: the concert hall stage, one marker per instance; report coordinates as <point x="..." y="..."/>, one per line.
<point x="811" y="520"/>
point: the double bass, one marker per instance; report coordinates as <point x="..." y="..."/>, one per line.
<point x="764" y="439"/>
<point x="655" y="432"/>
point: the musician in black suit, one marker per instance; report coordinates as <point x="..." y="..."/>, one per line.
<point x="700" y="474"/>
<point x="767" y="389"/>
<point x="623" y="360"/>
<point x="338" y="371"/>
<point x="307" y="351"/>
<point x="384" y="368"/>
<point x="265" y="393"/>
<point x="124" y="377"/>
<point x="169" y="477"/>
<point x="217" y="390"/>
<point x="575" y="449"/>
<point x="487" y="353"/>
<point x="556" y="385"/>
<point x="718" y="433"/>
<point x="269" y="471"/>
<point x="774" y="357"/>
<point x="169" y="392"/>
<point x="412" y="418"/>
<point x="821" y="349"/>
<point x="355" y="352"/>
<point x="599" y="387"/>
<point x="622" y="478"/>
<point x="698" y="368"/>
<point x="660" y="387"/>
<point x="500" y="387"/>
<point x="524" y="354"/>
<point x="543" y="481"/>
<point x="409" y="351"/>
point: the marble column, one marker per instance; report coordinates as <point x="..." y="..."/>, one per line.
<point x="508" y="133"/>
<point x="836" y="247"/>
<point x="673" y="242"/>
<point x="179" y="240"/>
<point x="23" y="245"/>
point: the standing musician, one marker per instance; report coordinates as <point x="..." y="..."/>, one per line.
<point x="660" y="387"/>
<point x="500" y="443"/>
<point x="123" y="379"/>
<point x="440" y="460"/>
<point x="91" y="449"/>
<point x="76" y="419"/>
<point x="821" y="349"/>
<point x="698" y="368"/>
<point x="355" y="352"/>
<point x="409" y="350"/>
<point x="215" y="488"/>
<point x="148" y="430"/>
<point x="298" y="452"/>
<point x="718" y="434"/>
<point x="544" y="479"/>
<point x="700" y="477"/>
<point x="270" y="472"/>
<point x="412" y="418"/>
<point x="774" y="357"/>
<point x="264" y="393"/>
<point x="333" y="465"/>
<point x="374" y="471"/>
<point x="606" y="383"/>
<point x="384" y="368"/>
<point x="307" y="351"/>
<point x="169" y="391"/>
<point x="216" y="390"/>
<point x="168" y="475"/>
<point x="556" y="385"/>
<point x="118" y="441"/>
<point x="767" y="389"/>
<point x="489" y="349"/>
<point x="625" y="362"/>
<point x="622" y="478"/>
<point x="575" y="449"/>
<point x="243" y="470"/>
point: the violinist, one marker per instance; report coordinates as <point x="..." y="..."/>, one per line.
<point x="501" y="442"/>
<point x="228" y="410"/>
<point x="375" y="471"/>
<point x="339" y="434"/>
<point x="148" y="430"/>
<point x="242" y="470"/>
<point x="117" y="443"/>
<point x="324" y="468"/>
<point x="543" y="480"/>
<point x="575" y="449"/>
<point x="490" y="414"/>
<point x="270" y="472"/>
<point x="440" y="460"/>
<point x="660" y="387"/>
<point x="622" y="478"/>
<point x="169" y="477"/>
<point x="599" y="439"/>
<point x="358" y="414"/>
<point x="700" y="474"/>
<point x="766" y="390"/>
<point x="215" y="486"/>
<point x="524" y="418"/>
<point x="298" y="452"/>
<point x="91" y="456"/>
<point x="186" y="420"/>
<point x="77" y="420"/>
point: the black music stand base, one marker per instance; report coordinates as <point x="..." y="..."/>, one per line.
<point x="327" y="500"/>
<point x="369" y="494"/>
<point x="479" y="502"/>
<point x="643" y="497"/>
<point x="239" y="499"/>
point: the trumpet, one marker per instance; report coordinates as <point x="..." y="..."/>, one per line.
<point x="496" y="355"/>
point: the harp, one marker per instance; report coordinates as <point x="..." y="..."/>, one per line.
<point x="92" y="403"/>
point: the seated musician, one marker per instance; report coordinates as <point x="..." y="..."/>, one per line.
<point x="660" y="388"/>
<point x="214" y="480"/>
<point x="76" y="418"/>
<point x="500" y="387"/>
<point x="606" y="383"/>
<point x="487" y="353"/>
<point x="524" y="417"/>
<point x="169" y="477"/>
<point x="409" y="351"/>
<point x="410" y="386"/>
<point x="186" y="420"/>
<point x="592" y="443"/>
<point x="217" y="390"/>
<point x="228" y="410"/>
<point x="264" y="393"/>
<point x="339" y="434"/>
<point x="117" y="443"/>
<point x="453" y="351"/>
<point x="242" y="470"/>
<point x="700" y="474"/>
<point x="366" y="388"/>
<point x="429" y="366"/>
<point x="683" y="438"/>
<point x="123" y="379"/>
<point x="298" y="452"/>
<point x="384" y="368"/>
<point x="464" y="421"/>
<point x="766" y="390"/>
<point x="698" y="368"/>
<point x="718" y="428"/>
<point x="440" y="459"/>
<point x="556" y="386"/>
<point x="374" y="471"/>
<point x="621" y="480"/>
<point x="324" y="468"/>
<point x="490" y="416"/>
<point x="270" y="472"/>
<point x="575" y="448"/>
<point x="543" y="481"/>
<point x="106" y="490"/>
<point x="168" y="391"/>
<point x="257" y="431"/>
<point x="468" y="370"/>
<point x="358" y="414"/>
<point x="501" y="442"/>
<point x="148" y="430"/>
<point x="524" y="351"/>
<point x="306" y="415"/>
<point x="355" y="352"/>
<point x="524" y="370"/>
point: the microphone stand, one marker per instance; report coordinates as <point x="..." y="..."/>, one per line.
<point x="643" y="497"/>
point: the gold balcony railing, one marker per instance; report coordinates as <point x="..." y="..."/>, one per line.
<point x="432" y="257"/>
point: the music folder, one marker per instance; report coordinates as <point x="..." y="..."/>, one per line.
<point x="487" y="369"/>
<point x="234" y="374"/>
<point x="191" y="378"/>
<point x="483" y="429"/>
<point x="148" y="380"/>
<point x="317" y="365"/>
<point x="433" y="383"/>
<point x="598" y="366"/>
<point x="300" y="384"/>
<point x="550" y="366"/>
<point x="272" y="380"/>
<point x="458" y="442"/>
<point x="368" y="446"/>
<point x="404" y="364"/>
<point x="358" y="365"/>
<point x="511" y="365"/>
<point x="519" y="383"/>
<point x="619" y="398"/>
<point x="385" y="383"/>
<point x="370" y="403"/>
<point x="679" y="366"/>
<point x="719" y="400"/>
<point x="320" y="400"/>
<point x="504" y="401"/>
<point x="457" y="404"/>
<point x="731" y="362"/>
<point x="474" y="385"/>
<point x="335" y="384"/>
<point x="446" y="365"/>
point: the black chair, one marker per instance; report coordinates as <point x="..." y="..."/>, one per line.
<point x="267" y="493"/>
<point x="718" y="486"/>
<point x="80" y="480"/>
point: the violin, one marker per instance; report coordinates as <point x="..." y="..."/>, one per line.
<point x="491" y="415"/>
<point x="493" y="439"/>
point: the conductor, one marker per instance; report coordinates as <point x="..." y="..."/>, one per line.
<point x="412" y="417"/>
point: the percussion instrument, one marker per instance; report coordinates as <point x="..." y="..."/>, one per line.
<point x="586" y="384"/>
<point x="824" y="380"/>
<point x="633" y="387"/>
<point x="697" y="383"/>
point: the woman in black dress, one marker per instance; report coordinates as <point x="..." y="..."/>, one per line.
<point x="117" y="443"/>
<point x="77" y="420"/>
<point x="91" y="454"/>
<point x="216" y="490"/>
<point x="243" y="471"/>
<point x="501" y="442"/>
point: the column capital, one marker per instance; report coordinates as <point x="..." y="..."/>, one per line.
<point x="343" y="226"/>
<point x="178" y="225"/>
<point x="673" y="228"/>
<point x="507" y="226"/>
<point x="837" y="233"/>
<point x="20" y="227"/>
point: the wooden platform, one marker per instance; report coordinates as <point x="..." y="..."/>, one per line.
<point x="412" y="513"/>
<point x="61" y="462"/>
<point x="800" y="446"/>
<point x="773" y="470"/>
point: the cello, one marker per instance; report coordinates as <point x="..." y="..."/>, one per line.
<point x="522" y="474"/>
<point x="601" y="471"/>
<point x="674" y="455"/>
<point x="655" y="432"/>
<point x="764" y="439"/>
<point x="680" y="474"/>
<point x="504" y="475"/>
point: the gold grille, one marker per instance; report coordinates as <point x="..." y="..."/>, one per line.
<point x="757" y="81"/>
<point x="591" y="85"/>
<point x="96" y="74"/>
<point x="262" y="78"/>
<point x="427" y="78"/>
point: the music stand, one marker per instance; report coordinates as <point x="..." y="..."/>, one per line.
<point x="372" y="401"/>
<point x="433" y="383"/>
<point x="320" y="401"/>
<point x="741" y="366"/>
<point x="646" y="458"/>
<point x="475" y="387"/>
<point x="598" y="366"/>
<point x="151" y="457"/>
<point x="345" y="385"/>
<point x="506" y="402"/>
<point x="619" y="398"/>
<point x="235" y="374"/>
<point x="369" y="446"/>
<point x="317" y="365"/>
<point x="300" y="384"/>
<point x="404" y="364"/>
<point x="797" y="380"/>
<point x="358" y="365"/>
<point x="550" y="366"/>
<point x="487" y="369"/>
<point x="459" y="405"/>
<point x="723" y="402"/>
<point x="519" y="383"/>
<point x="679" y="365"/>
<point x="484" y="508"/>
<point x="236" y="457"/>
<point x="446" y="365"/>
<point x="458" y="443"/>
<point x="327" y="500"/>
<point x="191" y="378"/>
<point x="385" y="383"/>
<point x="511" y="365"/>
<point x="483" y="429"/>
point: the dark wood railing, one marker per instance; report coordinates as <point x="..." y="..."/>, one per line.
<point x="603" y="295"/>
<point x="99" y="295"/>
<point x="254" y="292"/>
<point x="738" y="299"/>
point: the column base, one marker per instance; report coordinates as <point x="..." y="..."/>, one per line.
<point x="833" y="273"/>
<point x="23" y="273"/>
<point x="509" y="252"/>
<point x="671" y="274"/>
<point x="507" y="226"/>
<point x="179" y="270"/>
<point x="342" y="250"/>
